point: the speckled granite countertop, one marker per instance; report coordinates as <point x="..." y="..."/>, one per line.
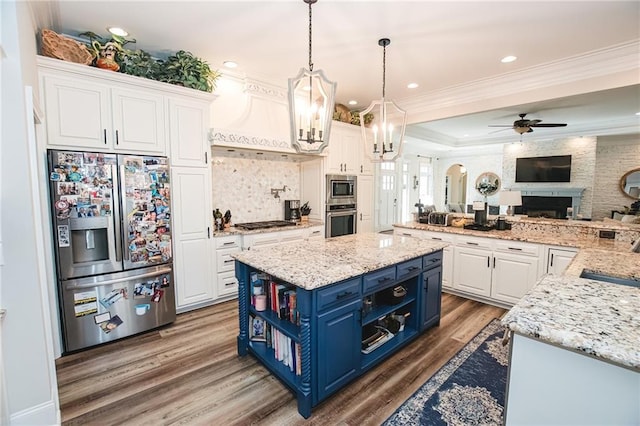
<point x="593" y="317"/>
<point x="320" y="262"/>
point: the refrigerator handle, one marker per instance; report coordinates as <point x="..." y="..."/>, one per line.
<point x="118" y="280"/>
<point x="121" y="223"/>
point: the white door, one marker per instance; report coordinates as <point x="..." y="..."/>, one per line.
<point x="138" y="121"/>
<point x="188" y="124"/>
<point x="559" y="260"/>
<point x="365" y="203"/>
<point x="513" y="276"/>
<point x="388" y="193"/>
<point x="473" y="270"/>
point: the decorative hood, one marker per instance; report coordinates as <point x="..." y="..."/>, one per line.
<point x="250" y="114"/>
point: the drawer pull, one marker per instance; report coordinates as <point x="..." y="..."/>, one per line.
<point x="436" y="238"/>
<point x="230" y="243"/>
<point x="515" y="248"/>
<point x="433" y="260"/>
<point x="343" y="294"/>
<point x="229" y="284"/>
<point x="229" y="261"/>
<point x="412" y="268"/>
<point x="381" y="280"/>
<point x="472" y="244"/>
<point x="407" y="234"/>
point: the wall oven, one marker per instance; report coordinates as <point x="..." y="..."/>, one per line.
<point x="341" y="220"/>
<point x="341" y="189"/>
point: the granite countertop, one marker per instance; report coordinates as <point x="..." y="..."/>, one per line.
<point x="596" y="318"/>
<point x="316" y="263"/>
<point x="237" y="231"/>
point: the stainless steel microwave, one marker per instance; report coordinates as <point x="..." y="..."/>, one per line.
<point x="341" y="189"/>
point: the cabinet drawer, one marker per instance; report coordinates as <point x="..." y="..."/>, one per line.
<point x="476" y="242"/>
<point x="224" y="260"/>
<point x="227" y="242"/>
<point x="517" y="248"/>
<point x="432" y="260"/>
<point x="439" y="236"/>
<point x="227" y="283"/>
<point x="379" y="279"/>
<point x="338" y="294"/>
<point x="410" y="267"/>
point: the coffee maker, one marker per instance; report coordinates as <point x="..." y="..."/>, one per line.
<point x="292" y="210"/>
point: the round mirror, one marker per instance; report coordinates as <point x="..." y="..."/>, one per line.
<point x="630" y="184"/>
<point x="488" y="183"/>
<point x="455" y="192"/>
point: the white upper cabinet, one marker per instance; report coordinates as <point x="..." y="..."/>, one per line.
<point x="346" y="151"/>
<point x="188" y="122"/>
<point x="83" y="113"/>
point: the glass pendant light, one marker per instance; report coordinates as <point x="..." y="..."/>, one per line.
<point x="311" y="104"/>
<point x="384" y="135"/>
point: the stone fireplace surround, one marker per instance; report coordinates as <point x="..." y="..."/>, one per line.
<point x="549" y="202"/>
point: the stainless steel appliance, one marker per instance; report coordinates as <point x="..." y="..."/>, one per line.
<point x="341" y="189"/>
<point x="440" y="219"/>
<point x="292" y="210"/>
<point x="112" y="236"/>
<point x="341" y="220"/>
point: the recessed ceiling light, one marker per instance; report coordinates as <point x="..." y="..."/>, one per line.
<point x="412" y="85"/>
<point x="508" y="59"/>
<point x="230" y="64"/>
<point x="118" y="31"/>
<point x="353" y="102"/>
<point x="637" y="113"/>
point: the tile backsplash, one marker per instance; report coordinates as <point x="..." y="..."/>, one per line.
<point x="242" y="183"/>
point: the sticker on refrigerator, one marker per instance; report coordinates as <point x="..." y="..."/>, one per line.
<point x="142" y="308"/>
<point x="110" y="325"/>
<point x="113" y="296"/>
<point x="157" y="296"/>
<point x="102" y="317"/>
<point x="85" y="303"/>
<point x="145" y="289"/>
<point x="63" y="236"/>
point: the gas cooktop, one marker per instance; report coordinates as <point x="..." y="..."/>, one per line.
<point x="265" y="224"/>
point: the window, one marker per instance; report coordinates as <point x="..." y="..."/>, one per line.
<point x="426" y="181"/>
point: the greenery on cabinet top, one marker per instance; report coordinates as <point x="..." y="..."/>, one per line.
<point x="181" y="68"/>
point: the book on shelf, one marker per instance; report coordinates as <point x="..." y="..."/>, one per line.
<point x="285" y="349"/>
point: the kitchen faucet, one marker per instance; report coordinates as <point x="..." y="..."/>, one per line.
<point x="276" y="191"/>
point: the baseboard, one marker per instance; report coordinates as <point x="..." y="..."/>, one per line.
<point x="46" y="413"/>
<point x="478" y="298"/>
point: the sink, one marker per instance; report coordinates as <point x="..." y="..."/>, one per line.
<point x="609" y="279"/>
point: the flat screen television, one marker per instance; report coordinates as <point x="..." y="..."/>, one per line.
<point x="555" y="168"/>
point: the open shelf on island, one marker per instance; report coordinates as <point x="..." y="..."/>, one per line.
<point x="382" y="310"/>
<point x="267" y="356"/>
<point x="389" y="346"/>
<point x="288" y="328"/>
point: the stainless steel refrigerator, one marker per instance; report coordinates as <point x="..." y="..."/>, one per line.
<point x="112" y="236"/>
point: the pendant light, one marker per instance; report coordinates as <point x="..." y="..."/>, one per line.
<point x="311" y="104"/>
<point x="384" y="135"/>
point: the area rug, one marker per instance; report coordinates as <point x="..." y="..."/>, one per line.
<point x="468" y="390"/>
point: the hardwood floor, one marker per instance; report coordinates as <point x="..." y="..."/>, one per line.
<point x="190" y="373"/>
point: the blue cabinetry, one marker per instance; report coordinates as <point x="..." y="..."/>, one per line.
<point x="341" y="330"/>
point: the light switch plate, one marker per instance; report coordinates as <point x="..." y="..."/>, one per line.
<point x="610" y="235"/>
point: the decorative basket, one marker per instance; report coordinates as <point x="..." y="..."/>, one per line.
<point x="56" y="46"/>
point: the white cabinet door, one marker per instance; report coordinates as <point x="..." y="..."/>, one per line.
<point x="193" y="252"/>
<point x="365" y="203"/>
<point x="473" y="270"/>
<point x="138" y="121"/>
<point x="82" y="113"/>
<point x="513" y="276"/>
<point x="344" y="157"/>
<point x="78" y="114"/>
<point x="558" y="260"/>
<point x="188" y="124"/>
<point x="314" y="232"/>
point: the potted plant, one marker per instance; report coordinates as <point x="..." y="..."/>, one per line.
<point x="185" y="69"/>
<point x="304" y="212"/>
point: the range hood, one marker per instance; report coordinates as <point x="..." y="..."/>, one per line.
<point x="250" y="114"/>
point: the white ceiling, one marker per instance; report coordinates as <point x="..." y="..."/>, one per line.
<point x="437" y="44"/>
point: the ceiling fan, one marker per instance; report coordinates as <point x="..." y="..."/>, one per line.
<point x="525" y="126"/>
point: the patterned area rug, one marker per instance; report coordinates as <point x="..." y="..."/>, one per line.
<point x="468" y="390"/>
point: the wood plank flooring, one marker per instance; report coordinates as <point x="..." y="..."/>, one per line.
<point x="189" y="373"/>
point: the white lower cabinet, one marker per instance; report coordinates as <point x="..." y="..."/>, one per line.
<point x="558" y="259"/>
<point x="492" y="269"/>
<point x="227" y="284"/>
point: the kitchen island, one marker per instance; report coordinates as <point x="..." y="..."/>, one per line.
<point x="335" y="307"/>
<point x="574" y="354"/>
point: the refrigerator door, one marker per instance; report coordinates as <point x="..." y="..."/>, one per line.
<point x="108" y="307"/>
<point x="86" y="217"/>
<point x="144" y="183"/>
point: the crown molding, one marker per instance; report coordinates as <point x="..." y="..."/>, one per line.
<point x="598" y="63"/>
